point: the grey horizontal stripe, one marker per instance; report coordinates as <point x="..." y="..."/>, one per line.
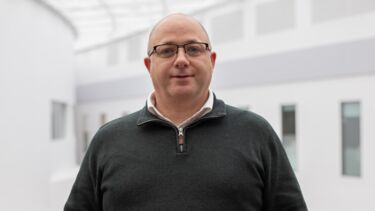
<point x="337" y="60"/>
<point x="331" y="61"/>
<point x="119" y="89"/>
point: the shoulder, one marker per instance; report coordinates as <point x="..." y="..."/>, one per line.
<point x="114" y="128"/>
<point x="255" y="127"/>
<point x="249" y="124"/>
<point x="120" y="123"/>
<point x="247" y="118"/>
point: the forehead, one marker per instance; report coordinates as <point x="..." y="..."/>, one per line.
<point x="178" y="29"/>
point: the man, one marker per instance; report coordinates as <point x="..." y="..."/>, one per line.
<point x="185" y="150"/>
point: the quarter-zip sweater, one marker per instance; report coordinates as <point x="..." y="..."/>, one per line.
<point x="232" y="160"/>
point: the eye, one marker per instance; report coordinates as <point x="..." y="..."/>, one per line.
<point x="194" y="49"/>
<point x="166" y="50"/>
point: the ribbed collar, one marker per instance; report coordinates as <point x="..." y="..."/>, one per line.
<point x="206" y="108"/>
<point x="218" y="110"/>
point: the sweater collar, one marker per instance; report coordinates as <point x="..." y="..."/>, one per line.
<point x="205" y="109"/>
<point x="218" y="110"/>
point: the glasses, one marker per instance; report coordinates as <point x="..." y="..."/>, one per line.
<point x="192" y="49"/>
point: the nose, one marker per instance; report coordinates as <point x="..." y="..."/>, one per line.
<point x="181" y="60"/>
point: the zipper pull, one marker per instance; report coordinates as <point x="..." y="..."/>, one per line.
<point x="181" y="140"/>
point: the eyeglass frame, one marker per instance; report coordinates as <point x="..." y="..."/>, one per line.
<point x="207" y="48"/>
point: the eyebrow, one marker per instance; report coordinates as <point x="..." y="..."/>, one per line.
<point x="174" y="43"/>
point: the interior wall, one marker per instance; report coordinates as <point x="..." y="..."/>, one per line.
<point x="36" y="68"/>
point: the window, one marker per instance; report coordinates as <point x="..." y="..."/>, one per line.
<point x="275" y="16"/>
<point x="351" y="155"/>
<point x="58" y="120"/>
<point x="234" y="21"/>
<point x="133" y="49"/>
<point x="244" y="107"/>
<point x="112" y="56"/>
<point x="83" y="140"/>
<point x="289" y="133"/>
<point x="86" y="140"/>
<point x="103" y="119"/>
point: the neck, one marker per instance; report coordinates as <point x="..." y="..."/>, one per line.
<point x="179" y="109"/>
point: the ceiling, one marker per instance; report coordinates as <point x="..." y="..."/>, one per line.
<point x="98" y="21"/>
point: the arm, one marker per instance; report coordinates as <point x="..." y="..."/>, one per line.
<point x="85" y="194"/>
<point x="282" y="191"/>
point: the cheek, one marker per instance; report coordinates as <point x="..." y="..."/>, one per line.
<point x="206" y="70"/>
<point x="159" y="76"/>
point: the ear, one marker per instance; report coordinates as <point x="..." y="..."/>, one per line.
<point x="213" y="58"/>
<point x="147" y="62"/>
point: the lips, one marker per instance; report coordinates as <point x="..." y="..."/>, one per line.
<point x="181" y="76"/>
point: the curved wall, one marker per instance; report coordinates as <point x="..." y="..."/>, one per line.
<point x="36" y="68"/>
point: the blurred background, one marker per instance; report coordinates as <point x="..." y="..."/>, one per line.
<point x="69" y="66"/>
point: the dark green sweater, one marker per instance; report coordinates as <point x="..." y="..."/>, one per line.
<point x="232" y="160"/>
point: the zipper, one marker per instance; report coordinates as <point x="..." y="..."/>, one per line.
<point x="181" y="145"/>
<point x="181" y="140"/>
<point x="180" y="136"/>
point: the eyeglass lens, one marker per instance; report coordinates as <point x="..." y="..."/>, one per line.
<point x="191" y="49"/>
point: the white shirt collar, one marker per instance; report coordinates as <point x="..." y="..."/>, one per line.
<point x="206" y="108"/>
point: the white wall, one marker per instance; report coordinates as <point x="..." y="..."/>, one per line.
<point x="36" y="67"/>
<point x="93" y="64"/>
<point x="304" y="33"/>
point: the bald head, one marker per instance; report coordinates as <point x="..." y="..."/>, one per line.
<point x="178" y="17"/>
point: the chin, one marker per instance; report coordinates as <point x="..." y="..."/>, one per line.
<point x="183" y="93"/>
<point x="187" y="91"/>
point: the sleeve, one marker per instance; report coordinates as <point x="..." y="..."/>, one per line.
<point x="85" y="194"/>
<point x="282" y="191"/>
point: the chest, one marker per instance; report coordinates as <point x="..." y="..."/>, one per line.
<point x="153" y="172"/>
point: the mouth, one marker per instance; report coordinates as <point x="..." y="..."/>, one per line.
<point x="181" y="76"/>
